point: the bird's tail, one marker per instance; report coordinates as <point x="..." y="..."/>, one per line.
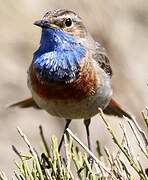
<point x="116" y="110"/>
<point x="26" y="103"/>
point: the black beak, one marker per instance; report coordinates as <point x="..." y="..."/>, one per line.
<point x="42" y="23"/>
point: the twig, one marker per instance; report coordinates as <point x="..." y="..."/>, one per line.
<point x="48" y="174"/>
<point x="3" y="176"/>
<point x="145" y="117"/>
<point x="16" y="151"/>
<point x="128" y="175"/>
<point x="68" y="146"/>
<point x="124" y="151"/>
<point x="141" y="167"/>
<point x="140" y="143"/>
<point x="139" y="129"/>
<point x="114" y="167"/>
<point x="90" y="153"/>
<point x="108" y="157"/>
<point x="98" y="149"/>
<point x="129" y="148"/>
<point x="32" y="152"/>
<point x="119" y="150"/>
<point x="44" y="141"/>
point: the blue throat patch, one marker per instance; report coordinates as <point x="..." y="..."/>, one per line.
<point x="59" y="55"/>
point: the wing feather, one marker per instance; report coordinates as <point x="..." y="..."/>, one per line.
<point x="102" y="59"/>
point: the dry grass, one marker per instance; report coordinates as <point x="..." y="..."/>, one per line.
<point x="83" y="164"/>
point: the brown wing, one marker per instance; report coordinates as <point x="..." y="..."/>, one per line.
<point x="26" y="104"/>
<point x="103" y="60"/>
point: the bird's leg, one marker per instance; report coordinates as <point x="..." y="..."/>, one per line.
<point x="87" y="123"/>
<point x="68" y="121"/>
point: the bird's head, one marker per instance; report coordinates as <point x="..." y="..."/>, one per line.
<point x="62" y="46"/>
<point x="65" y="20"/>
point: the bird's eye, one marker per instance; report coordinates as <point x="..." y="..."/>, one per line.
<point x="68" y="22"/>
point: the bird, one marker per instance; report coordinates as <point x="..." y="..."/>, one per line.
<point x="70" y="73"/>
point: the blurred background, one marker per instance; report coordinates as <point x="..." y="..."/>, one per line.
<point x="120" y="26"/>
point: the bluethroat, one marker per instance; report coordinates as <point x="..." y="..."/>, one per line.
<point x="70" y="74"/>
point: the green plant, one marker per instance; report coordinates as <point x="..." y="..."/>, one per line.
<point x="82" y="165"/>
